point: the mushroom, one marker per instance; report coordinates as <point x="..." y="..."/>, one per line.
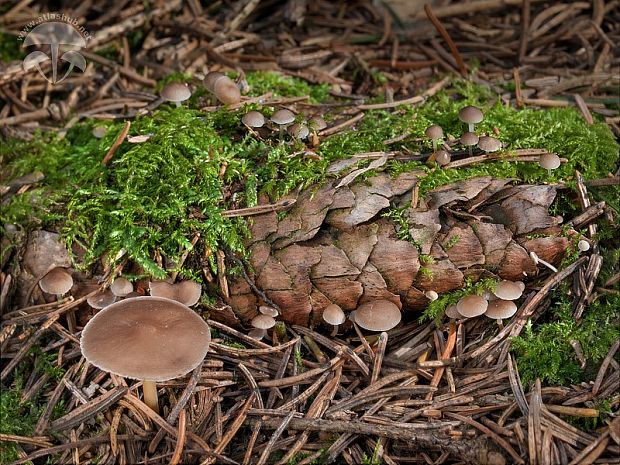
<point x="282" y="118"/>
<point x="452" y="313"/>
<point x="186" y="292"/>
<point x="500" y="309"/>
<point x="471" y="115"/>
<point x="431" y="295"/>
<point x="508" y="290"/>
<point x="441" y="157"/>
<point x="472" y="305"/>
<point x="469" y="140"/>
<point x="378" y="315"/>
<point x="583" y="245"/>
<point x="489" y="144"/>
<point x="317" y="123"/>
<point x="257" y="333"/>
<point x="334" y="315"/>
<point x="265" y="310"/>
<point x="101" y="299"/>
<point x="263" y="322"/>
<point x="211" y="78"/>
<point x="549" y="161"/>
<point x="99" y="131"/>
<point x="298" y="131"/>
<point x="57" y="282"/>
<point x="147" y="338"/>
<point x="176" y="92"/>
<point x="121" y="287"/>
<point x="253" y="119"/>
<point x="435" y="134"/>
<point x="226" y="91"/>
<point x="536" y="259"/>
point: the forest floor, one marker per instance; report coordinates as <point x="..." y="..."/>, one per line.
<point x="102" y="177"/>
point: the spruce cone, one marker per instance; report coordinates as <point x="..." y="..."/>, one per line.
<point x="335" y="245"/>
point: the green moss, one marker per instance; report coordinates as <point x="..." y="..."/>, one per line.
<point x="280" y="85"/>
<point x="10" y="48"/>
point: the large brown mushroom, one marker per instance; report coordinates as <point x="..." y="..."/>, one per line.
<point x="147" y="338"/>
<point x="176" y="92"/>
<point x="471" y="306"/>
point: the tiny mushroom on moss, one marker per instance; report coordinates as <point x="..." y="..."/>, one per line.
<point x="176" y="92"/>
<point x="317" y="123"/>
<point x="147" y="338"/>
<point x="226" y="91"/>
<point x="211" y="78"/>
<point x="583" y="245"/>
<point x="489" y="144"/>
<point x="99" y="131"/>
<point x="378" y="315"/>
<point x="431" y="295"/>
<point x="186" y="292"/>
<point x="471" y="115"/>
<point x="266" y="310"/>
<point x="508" y="290"/>
<point x="253" y="119"/>
<point x="121" y="287"/>
<point x="469" y="140"/>
<point x="282" y="118"/>
<point x="334" y="315"/>
<point x="57" y="281"/>
<point x="435" y="134"/>
<point x="549" y="161"/>
<point x="298" y="131"/>
<point x="441" y="157"/>
<point x="471" y="306"/>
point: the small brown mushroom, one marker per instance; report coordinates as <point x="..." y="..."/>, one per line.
<point x="265" y="310"/>
<point x="471" y="115"/>
<point x="435" y="134"/>
<point x="317" y="123"/>
<point x="298" y="131"/>
<point x="334" y="315"/>
<point x="226" y="91"/>
<point x="471" y="306"/>
<point x="99" y="131"/>
<point x="441" y="157"/>
<point x="452" y="313"/>
<point x="500" y="309"/>
<point x="263" y="321"/>
<point x="583" y="245"/>
<point x="508" y="290"/>
<point x="176" y="92"/>
<point x="147" y="338"/>
<point x="549" y="161"/>
<point x="282" y="118"/>
<point x="257" y="333"/>
<point x="469" y="140"/>
<point x="186" y="292"/>
<point x="378" y="315"/>
<point x="211" y="78"/>
<point x="101" y="299"/>
<point x="489" y="144"/>
<point x="57" y="282"/>
<point x="431" y="295"/>
<point x="121" y="287"/>
<point x="253" y="119"/>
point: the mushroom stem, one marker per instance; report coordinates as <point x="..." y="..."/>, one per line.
<point x="178" y="104"/>
<point x="471" y="127"/>
<point x="470" y="151"/>
<point x="536" y="259"/>
<point x="150" y="395"/>
<point x="434" y="145"/>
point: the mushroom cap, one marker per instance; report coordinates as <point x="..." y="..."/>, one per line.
<point x="549" y="161"/>
<point x="99" y="131"/>
<point x="471" y="115"/>
<point x="583" y="245"/>
<point x="472" y="305"/>
<point x="263" y="321"/>
<point x="226" y="91"/>
<point x="257" y="333"/>
<point x="500" y="308"/>
<point x="442" y="157"/>
<point x="521" y="285"/>
<point x="121" y="287"/>
<point x="431" y="295"/>
<point x="317" y="123"/>
<point x="378" y="315"/>
<point x="253" y="119"/>
<point x="283" y="116"/>
<point x="451" y="312"/>
<point x="469" y="139"/>
<point x="265" y="310"/>
<point x="489" y="144"/>
<point x="508" y="290"/>
<point x="101" y="299"/>
<point x="334" y="315"/>
<point x="211" y="78"/>
<point x="186" y="292"/>
<point x="149" y="338"/>
<point x="434" y="132"/>
<point x="298" y="131"/>
<point x="57" y="282"/>
<point x="176" y="92"/>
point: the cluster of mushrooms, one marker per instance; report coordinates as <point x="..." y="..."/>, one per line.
<point x="497" y="305"/>
<point x="471" y="116"/>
